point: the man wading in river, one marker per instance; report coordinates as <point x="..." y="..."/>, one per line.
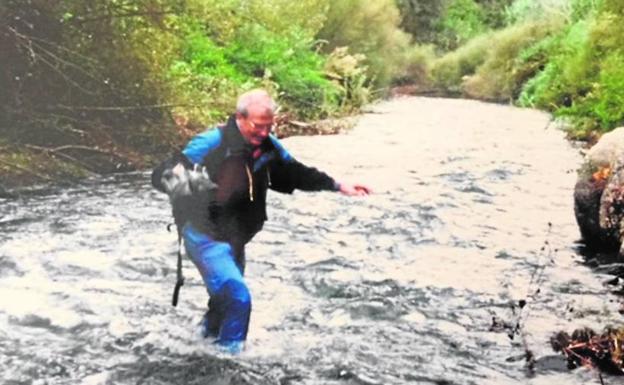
<point x="218" y="215"/>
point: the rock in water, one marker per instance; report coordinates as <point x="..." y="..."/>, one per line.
<point x="599" y="194"/>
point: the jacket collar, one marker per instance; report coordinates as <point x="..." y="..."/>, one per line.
<point x="234" y="139"/>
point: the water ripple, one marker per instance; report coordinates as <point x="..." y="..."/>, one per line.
<point x="400" y="287"/>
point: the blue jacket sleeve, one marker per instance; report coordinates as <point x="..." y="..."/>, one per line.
<point x="194" y="152"/>
<point x="201" y="145"/>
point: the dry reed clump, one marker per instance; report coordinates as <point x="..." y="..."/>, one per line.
<point x="585" y="347"/>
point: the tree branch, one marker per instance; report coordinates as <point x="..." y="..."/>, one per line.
<point x="56" y="152"/>
<point x="124" y="108"/>
<point x="81" y="20"/>
<point x="73" y="147"/>
<point x="60" y="47"/>
<point x="28" y="43"/>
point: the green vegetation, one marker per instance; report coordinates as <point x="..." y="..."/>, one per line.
<point x="582" y="77"/>
<point x="111" y="85"/>
<point x="369" y="28"/>
<point x="505" y="68"/>
<point x="448" y="71"/>
<point x="563" y="56"/>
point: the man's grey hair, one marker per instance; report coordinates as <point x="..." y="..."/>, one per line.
<point x="259" y="96"/>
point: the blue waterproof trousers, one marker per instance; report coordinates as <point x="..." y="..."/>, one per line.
<point x="227" y="318"/>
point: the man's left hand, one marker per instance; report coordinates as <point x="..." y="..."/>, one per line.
<point x="354" y="189"/>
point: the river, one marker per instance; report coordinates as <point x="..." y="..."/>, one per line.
<point x="472" y="212"/>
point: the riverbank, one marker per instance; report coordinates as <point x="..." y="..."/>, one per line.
<point x="29" y="165"/>
<point x="25" y="165"/>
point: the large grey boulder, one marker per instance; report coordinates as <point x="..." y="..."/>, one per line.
<point x="599" y="194"/>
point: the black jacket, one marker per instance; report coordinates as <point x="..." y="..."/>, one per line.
<point x="237" y="210"/>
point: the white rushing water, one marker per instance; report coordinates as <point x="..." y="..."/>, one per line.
<point x="472" y="212"/>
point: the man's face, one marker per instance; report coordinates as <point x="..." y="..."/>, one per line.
<point x="257" y="125"/>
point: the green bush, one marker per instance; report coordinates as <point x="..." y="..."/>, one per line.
<point x="202" y="81"/>
<point x="370" y="28"/>
<point x="448" y="71"/>
<point x="565" y="73"/>
<point x="285" y="16"/>
<point x="615" y="7"/>
<point x="420" y="18"/>
<point x="604" y="104"/>
<point x="599" y="104"/>
<point x="349" y="76"/>
<point x="582" y="80"/>
<point x="290" y="63"/>
<point x="506" y="68"/>
<point x="275" y="49"/>
<point x="584" y="9"/>
<point x="494" y="12"/>
<point x="521" y="11"/>
<point x="461" y="21"/>
<point x="416" y="65"/>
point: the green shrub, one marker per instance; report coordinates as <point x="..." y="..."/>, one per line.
<point x="274" y="50"/>
<point x="349" y="76"/>
<point x="531" y="10"/>
<point x="584" y="9"/>
<point x="607" y="32"/>
<point x="290" y="63"/>
<point x="448" y="71"/>
<point x="615" y="7"/>
<point x="583" y="77"/>
<point x="461" y="21"/>
<point x="449" y="23"/>
<point x="494" y="12"/>
<point x="416" y="65"/>
<point x="565" y="73"/>
<point x="420" y="18"/>
<point x="604" y="104"/>
<point x="506" y="68"/>
<point x="202" y="81"/>
<point x="284" y="16"/>
<point x="370" y="28"/>
<point x="600" y="104"/>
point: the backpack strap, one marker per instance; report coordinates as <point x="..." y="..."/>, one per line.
<point x="179" y="275"/>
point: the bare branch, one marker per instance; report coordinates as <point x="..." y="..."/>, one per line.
<point x="30" y="43"/>
<point x="66" y="62"/>
<point x="80" y="20"/>
<point x="124" y="108"/>
<point x="73" y="147"/>
<point x="62" y="48"/>
<point x="56" y="152"/>
<point x="64" y="76"/>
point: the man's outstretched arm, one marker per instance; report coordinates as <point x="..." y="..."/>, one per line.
<point x="289" y="174"/>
